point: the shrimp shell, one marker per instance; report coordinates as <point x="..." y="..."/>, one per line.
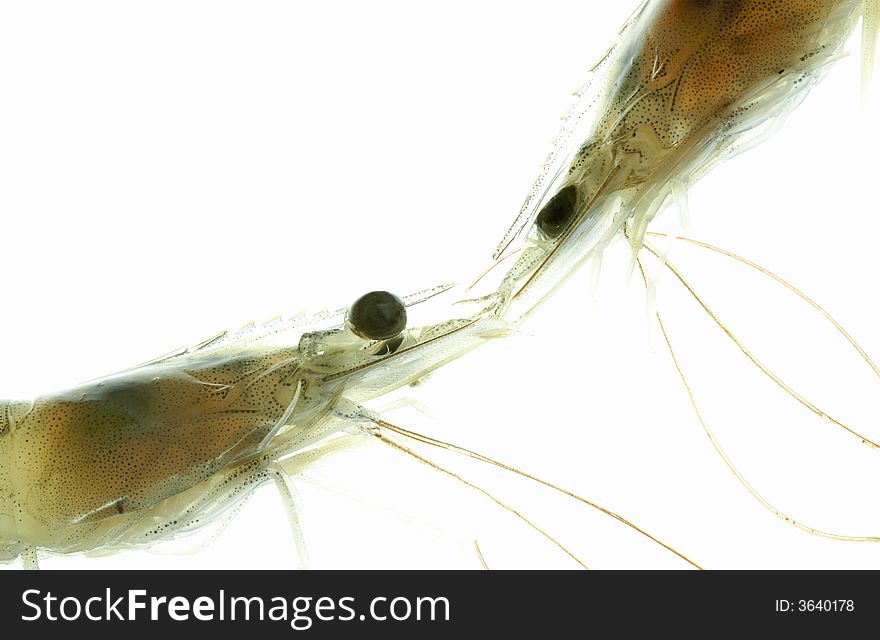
<point x="688" y="84"/>
<point x="166" y="447"/>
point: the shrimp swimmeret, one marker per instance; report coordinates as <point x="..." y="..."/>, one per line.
<point x="110" y="516"/>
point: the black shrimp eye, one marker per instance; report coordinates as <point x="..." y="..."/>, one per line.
<point x="377" y="315"/>
<point x="558" y="213"/>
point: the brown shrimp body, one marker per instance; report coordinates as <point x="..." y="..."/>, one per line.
<point x="123" y="444"/>
<point x="697" y="65"/>
<point x="168" y="447"/>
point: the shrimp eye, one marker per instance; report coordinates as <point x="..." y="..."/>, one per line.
<point x="377" y="315"/>
<point x="558" y="213"/>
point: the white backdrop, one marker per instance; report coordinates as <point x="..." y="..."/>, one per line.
<point x="170" y="169"/>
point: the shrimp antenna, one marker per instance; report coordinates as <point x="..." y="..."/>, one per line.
<point x="485" y="459"/>
<point x="717" y="445"/>
<point x="764" y="368"/>
<point x="399" y="447"/>
<point x="480" y="555"/>
<point x="491" y="268"/>
<point x="803" y="296"/>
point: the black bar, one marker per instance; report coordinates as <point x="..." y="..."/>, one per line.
<point x="507" y="602"/>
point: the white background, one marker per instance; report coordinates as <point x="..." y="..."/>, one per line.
<point x="170" y="169"/>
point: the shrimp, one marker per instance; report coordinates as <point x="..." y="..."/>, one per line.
<point x="168" y="447"/>
<point x="688" y="84"/>
<point x="208" y="367"/>
<point x="171" y="446"/>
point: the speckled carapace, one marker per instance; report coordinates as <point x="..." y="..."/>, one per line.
<point x="689" y="83"/>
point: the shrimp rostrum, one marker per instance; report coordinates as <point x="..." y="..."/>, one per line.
<point x="165" y="448"/>
<point x="689" y="83"/>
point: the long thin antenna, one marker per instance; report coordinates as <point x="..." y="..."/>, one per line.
<point x="726" y="459"/>
<point x="480" y="555"/>
<point x="399" y="447"/>
<point x="754" y="359"/>
<point x="803" y="296"/>
<point x="487" y="460"/>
